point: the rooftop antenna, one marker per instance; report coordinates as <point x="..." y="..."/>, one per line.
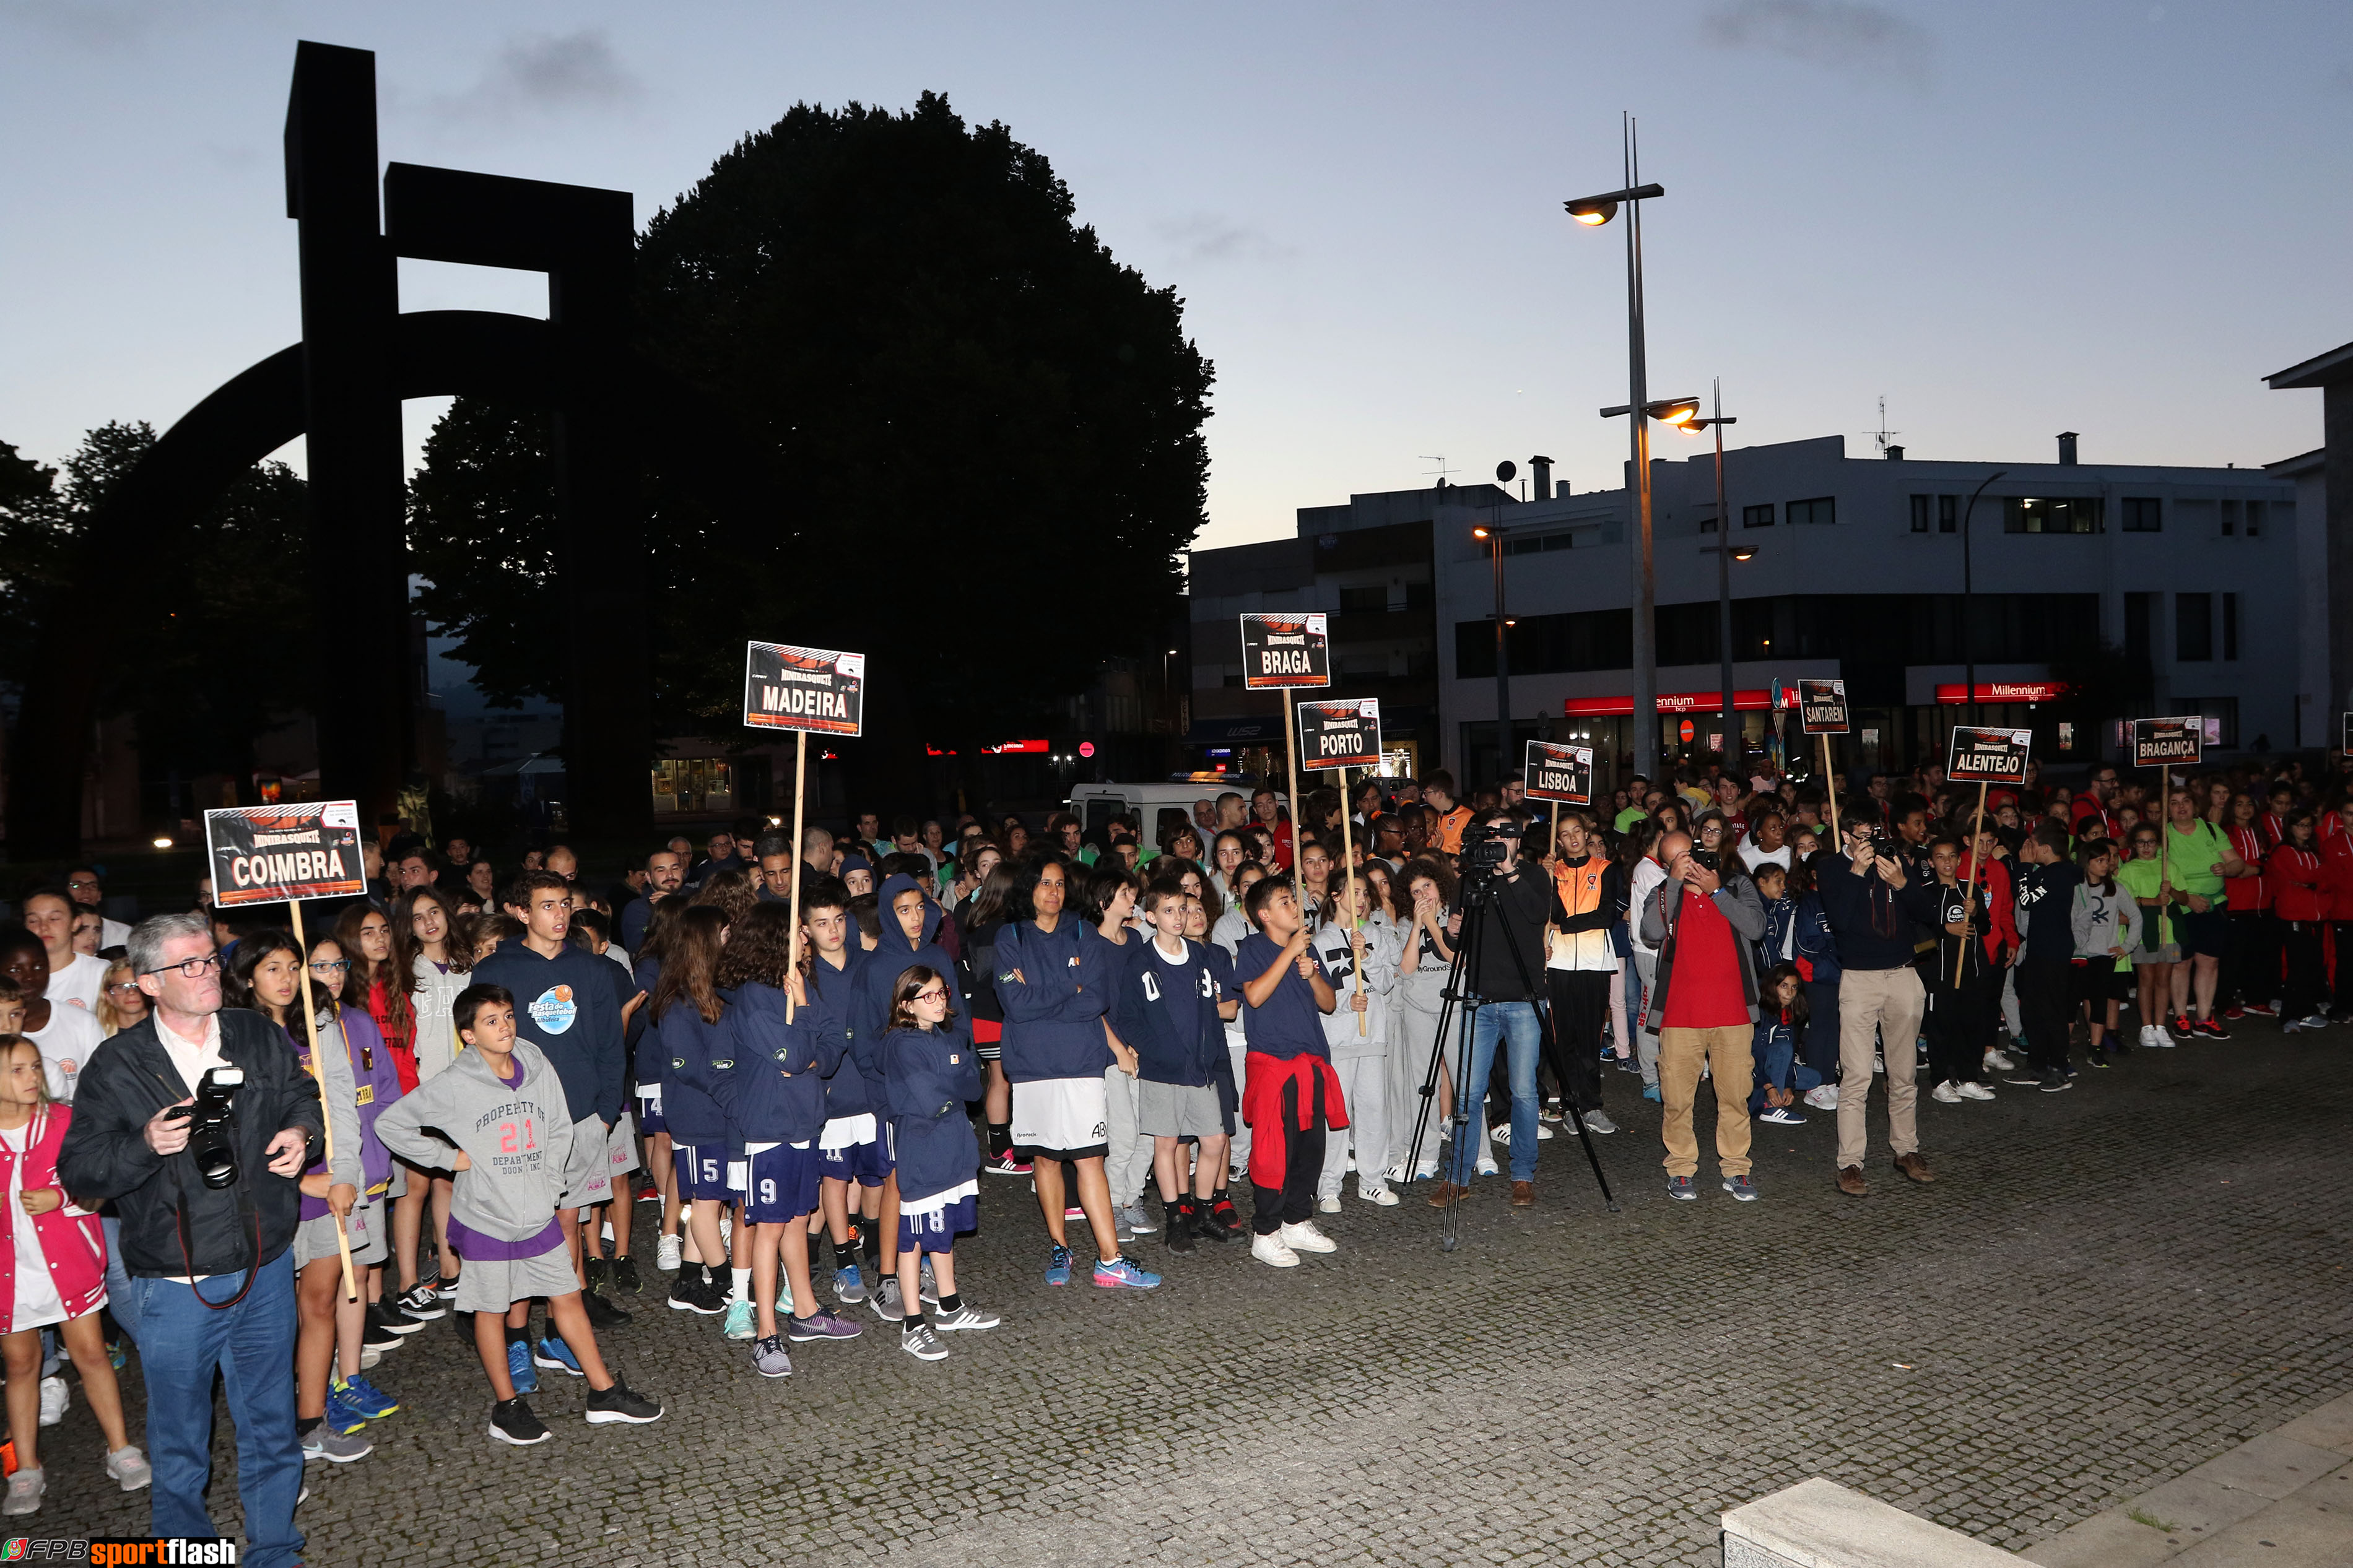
<point x="1879" y="438"/>
<point x="1439" y="472"/>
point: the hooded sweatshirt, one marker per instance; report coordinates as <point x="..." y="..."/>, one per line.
<point x="376" y="1084"/>
<point x="565" y="1007"/>
<point x="518" y="1137"/>
<point x="1055" y="987"/>
<point x="702" y="1054"/>
<point x="776" y="1093"/>
<point x="836" y="993"/>
<point x="930" y="1075"/>
<point x="1333" y="951"/>
<point x="893" y="956"/>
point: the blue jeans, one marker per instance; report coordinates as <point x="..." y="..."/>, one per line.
<point x="118" y="1281"/>
<point x="252" y="1345"/>
<point x="1518" y="1022"/>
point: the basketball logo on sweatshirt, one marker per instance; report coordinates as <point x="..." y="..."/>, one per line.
<point x="554" y="1010"/>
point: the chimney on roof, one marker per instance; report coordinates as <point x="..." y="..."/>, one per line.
<point x="1540" y="469"/>
<point x="2067" y="448"/>
<point x="1894" y="454"/>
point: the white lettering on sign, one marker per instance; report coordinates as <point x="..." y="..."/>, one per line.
<point x="801" y="702"/>
<point x="274" y="871"/>
<point x="1285" y="661"/>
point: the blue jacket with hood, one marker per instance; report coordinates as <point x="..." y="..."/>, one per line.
<point x="933" y="1075"/>
<point x="565" y="1007"/>
<point x="1054" y="1010"/>
<point x="893" y="955"/>
<point x="1163" y="1053"/>
<point x="834" y="992"/>
<point x="777" y="1093"/>
<point x="701" y="1054"/>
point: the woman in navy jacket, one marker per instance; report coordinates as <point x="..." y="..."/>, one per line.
<point x="930" y="1073"/>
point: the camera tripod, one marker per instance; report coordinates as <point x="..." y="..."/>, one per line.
<point x="1461" y="1005"/>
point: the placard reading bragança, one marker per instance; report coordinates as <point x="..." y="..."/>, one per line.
<point x="2158" y="742"/>
<point x="1557" y="771"/>
<point x="1344" y="734"/>
<point x="787" y="687"/>
<point x="269" y="854"/>
<point x="1987" y="756"/>
<point x="1285" y="650"/>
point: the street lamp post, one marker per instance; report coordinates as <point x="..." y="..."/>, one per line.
<point x="1678" y="412"/>
<point x="1594" y="211"/>
<point x="1716" y="421"/>
<point x="1968" y="647"/>
<point x="1493" y="533"/>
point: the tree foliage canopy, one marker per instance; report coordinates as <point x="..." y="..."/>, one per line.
<point x="899" y="401"/>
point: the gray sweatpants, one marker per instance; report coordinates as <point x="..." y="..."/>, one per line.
<point x="1364" y="1093"/>
<point x="1646" y="1044"/>
<point x="1127" y="1164"/>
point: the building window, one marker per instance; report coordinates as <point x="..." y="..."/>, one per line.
<point x="2230" y="625"/>
<point x="692" y="783"/>
<point x="1919" y="514"/>
<point x="2140" y="625"/>
<point x="1756" y="516"/>
<point x="1821" y="510"/>
<point x="2221" y="716"/>
<point x="2193" y="628"/>
<point x="2144" y="515"/>
<point x="1421" y="596"/>
<point x="2256" y="510"/>
<point x="1948" y="514"/>
<point x="2054" y="514"/>
<point x="2229" y="518"/>
<point x="1370" y="599"/>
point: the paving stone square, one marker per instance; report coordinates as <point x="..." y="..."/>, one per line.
<point x="2103" y="1289"/>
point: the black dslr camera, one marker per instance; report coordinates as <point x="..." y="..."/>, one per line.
<point x="1484" y="847"/>
<point x="212" y="1125"/>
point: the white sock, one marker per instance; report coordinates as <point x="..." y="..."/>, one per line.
<point x="742" y="1284"/>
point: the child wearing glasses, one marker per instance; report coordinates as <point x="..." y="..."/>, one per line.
<point x="930" y="1073"/>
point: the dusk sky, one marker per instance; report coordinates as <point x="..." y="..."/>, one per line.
<point x="2008" y="218"/>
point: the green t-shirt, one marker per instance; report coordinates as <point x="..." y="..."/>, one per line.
<point x="1628" y="818"/>
<point x="2141" y="878"/>
<point x="2191" y="858"/>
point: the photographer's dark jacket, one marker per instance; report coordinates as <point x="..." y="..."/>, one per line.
<point x="1877" y="926"/>
<point x="131" y="1077"/>
<point x="1516" y="922"/>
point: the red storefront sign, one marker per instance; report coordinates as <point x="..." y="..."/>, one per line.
<point x="1955" y="692"/>
<point x="1745" y="698"/>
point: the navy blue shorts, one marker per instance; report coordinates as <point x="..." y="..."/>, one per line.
<point x="936" y="1230"/>
<point x="649" y="1116"/>
<point x="864" y="1164"/>
<point x="782" y="1186"/>
<point x="702" y="1172"/>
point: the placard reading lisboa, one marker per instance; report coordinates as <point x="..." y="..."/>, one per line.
<point x="1285" y="650"/>
<point x="269" y="854"/>
<point x="1559" y="772"/>
<point x="787" y="687"/>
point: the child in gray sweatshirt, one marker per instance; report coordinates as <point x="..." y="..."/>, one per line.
<point x="498" y="1117"/>
<point x="2106" y="922"/>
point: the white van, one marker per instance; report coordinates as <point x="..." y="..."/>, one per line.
<point x="1095" y="804"/>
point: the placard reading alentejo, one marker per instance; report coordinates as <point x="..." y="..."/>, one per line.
<point x="1285" y="650"/>
<point x="787" y="687"/>
<point x="1821" y="705"/>
<point x="269" y="854"/>
<point x="1987" y="756"/>
<point x="1557" y="771"/>
<point x="1344" y="734"/>
<point x="2157" y="743"/>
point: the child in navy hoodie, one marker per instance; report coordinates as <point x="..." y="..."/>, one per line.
<point x="910" y="921"/>
<point x="850" y="1146"/>
<point x="932" y="1073"/>
<point x="1172" y="1009"/>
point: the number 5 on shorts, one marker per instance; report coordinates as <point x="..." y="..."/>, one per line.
<point x="709" y="1175"/>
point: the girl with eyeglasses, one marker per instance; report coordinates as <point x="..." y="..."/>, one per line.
<point x="120" y="1003"/>
<point x="930" y="1075"/>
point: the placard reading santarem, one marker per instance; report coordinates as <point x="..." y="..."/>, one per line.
<point x="1559" y="772"/>
<point x="2159" y="742"/>
<point x="1285" y="650"/>
<point x="1987" y="756"/>
<point x="269" y="854"/>
<point x="787" y="687"/>
<point x="1346" y="734"/>
<point x="1821" y="706"/>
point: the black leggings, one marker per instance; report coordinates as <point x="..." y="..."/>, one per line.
<point x="1953" y="1027"/>
<point x="2305" y="987"/>
<point x="1302" y="1164"/>
<point x="1580" y="1004"/>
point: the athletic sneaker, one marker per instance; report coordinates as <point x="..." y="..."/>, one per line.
<point x="519" y="1367"/>
<point x="2030" y="1079"/>
<point x="422" y="1302"/>
<point x="390" y="1315"/>
<point x="926" y="1284"/>
<point x="595" y="1272"/>
<point x="1218" y="1222"/>
<point x="706" y="1296"/>
<point x="1486" y="1167"/>
<point x="625" y="1276"/>
<point x="1599" y="1121"/>
<point x="1269" y="1249"/>
<point x="2055" y="1082"/>
<point x="822" y="1326"/>
<point x="129" y="1467"/>
<point x="2182" y="1026"/>
<point x="666" y="1254"/>
<point x="2262" y="1009"/>
<point x="376" y="1332"/>
<point x="602" y="1314"/>
<point x="54" y="1399"/>
<point x="2315" y="1021"/>
<point x="739" y="1325"/>
<point x="1136" y="1219"/>
<point x="1006" y="1165"/>
<point x="849" y="1286"/>
<point x="1057" y="1266"/>
<point x="1682" y="1187"/>
<point x="335" y="1448"/>
<point x="2211" y="1029"/>
<point x="1650" y="1093"/>
<point x="1328" y="1205"/>
<point x="342" y="1412"/>
<point x="1379" y="1196"/>
<point x="446" y="1287"/>
<point x="769" y="1357"/>
<point x="372" y="1403"/>
<point x="1741" y="1187"/>
<point x="1946" y="1093"/>
<point x="964" y="1317"/>
<point x="918" y="1341"/>
<point x="552" y="1352"/>
<point x="1122" y="1274"/>
<point x="1072" y="1211"/>
<point x="512" y="1422"/>
<point x="1976" y="1091"/>
<point x="1782" y="1116"/>
<point x="618" y="1403"/>
<point x="2157" y="1039"/>
<point x="649" y="1193"/>
<point x="1996" y="1061"/>
<point x="1823" y="1097"/>
<point x="1305" y="1237"/>
<point x="25" y="1489"/>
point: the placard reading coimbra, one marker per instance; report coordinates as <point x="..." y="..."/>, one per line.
<point x="787" y="687"/>
<point x="1987" y="756"/>
<point x="269" y="854"/>
<point x="1344" y="734"/>
<point x="2160" y="742"/>
<point x="1560" y="772"/>
<point x="1821" y="705"/>
<point x="1285" y="650"/>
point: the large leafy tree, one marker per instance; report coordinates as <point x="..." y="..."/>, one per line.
<point x="900" y="400"/>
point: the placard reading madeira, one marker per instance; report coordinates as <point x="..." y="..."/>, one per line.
<point x="788" y="688"/>
<point x="269" y="854"/>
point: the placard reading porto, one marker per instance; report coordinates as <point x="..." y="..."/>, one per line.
<point x="1821" y="705"/>
<point x="1987" y="756"/>
<point x="1285" y="650"/>
<point x="2159" y="742"/>
<point x="1346" y="734"/>
<point x="1559" y="772"/>
<point x="269" y="854"/>
<point x="787" y="687"/>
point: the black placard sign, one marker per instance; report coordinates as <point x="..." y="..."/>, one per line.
<point x="1342" y="734"/>
<point x="2345" y="737"/>
<point x="1559" y="772"/>
<point x="269" y="854"/>
<point x="1821" y="706"/>
<point x="1981" y="756"/>
<point x="2161" y="743"/>
<point x="1285" y="650"/>
<point x="787" y="687"/>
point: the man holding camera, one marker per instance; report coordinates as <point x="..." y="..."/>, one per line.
<point x="1703" y="1007"/>
<point x="1516" y="903"/>
<point x="1877" y="911"/>
<point x="197" y="1122"/>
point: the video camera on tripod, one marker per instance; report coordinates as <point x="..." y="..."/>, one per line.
<point x="1485" y="847"/>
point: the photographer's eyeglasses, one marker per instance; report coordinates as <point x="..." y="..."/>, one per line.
<point x="191" y="968"/>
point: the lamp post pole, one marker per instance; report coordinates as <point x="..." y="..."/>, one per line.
<point x="1732" y="738"/>
<point x="1503" y="669"/>
<point x="1969" y="644"/>
<point x="1638" y="379"/>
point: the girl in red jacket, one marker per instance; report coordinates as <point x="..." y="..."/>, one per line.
<point x="2335" y="835"/>
<point x="2251" y="971"/>
<point x="2300" y="900"/>
<point x="52" y="1272"/>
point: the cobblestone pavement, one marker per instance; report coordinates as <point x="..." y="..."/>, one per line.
<point x="2103" y="1289"/>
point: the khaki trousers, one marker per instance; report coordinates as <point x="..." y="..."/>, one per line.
<point x="1879" y="1003"/>
<point x="1730" y="1061"/>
